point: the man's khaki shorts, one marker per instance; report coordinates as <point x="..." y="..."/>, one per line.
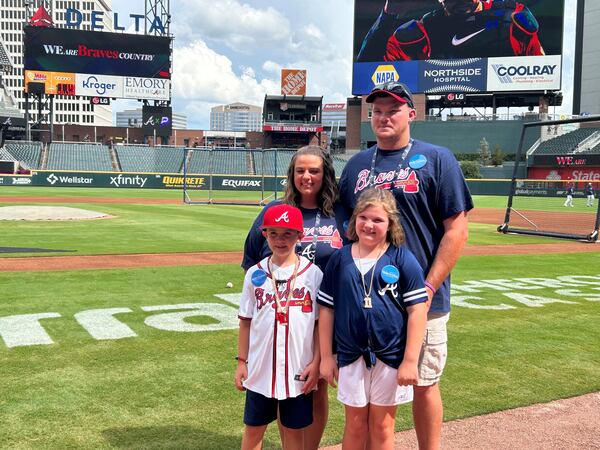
<point x="434" y="350"/>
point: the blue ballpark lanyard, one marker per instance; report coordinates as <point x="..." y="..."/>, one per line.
<point x="371" y="181"/>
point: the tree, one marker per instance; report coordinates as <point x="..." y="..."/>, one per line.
<point x="484" y="152"/>
<point x="497" y="156"/>
<point x="470" y="169"/>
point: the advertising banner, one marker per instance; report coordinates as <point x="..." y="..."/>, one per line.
<point x="293" y="128"/>
<point x="570" y="160"/>
<point x="293" y="82"/>
<point x="96" y="52"/>
<point x="398" y="32"/>
<point x="147" y="88"/>
<point x="463" y="75"/>
<point x="56" y="83"/>
<point x="157" y="119"/>
<point x="524" y="74"/>
<point x="98" y="85"/>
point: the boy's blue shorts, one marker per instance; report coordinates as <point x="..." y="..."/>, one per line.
<point x="294" y="412"/>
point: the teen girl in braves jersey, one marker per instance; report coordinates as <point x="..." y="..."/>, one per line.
<point x="317" y="245"/>
<point x="458" y="29"/>
<point x="425" y="180"/>
<point x="279" y="353"/>
<point x="379" y="332"/>
<point x="373" y="296"/>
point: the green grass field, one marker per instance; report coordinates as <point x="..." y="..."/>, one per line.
<point x="143" y="358"/>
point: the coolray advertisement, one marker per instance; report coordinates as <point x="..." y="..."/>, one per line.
<point x="96" y="52"/>
<point x="157" y="119"/>
<point x="397" y="33"/>
<point x="524" y="74"/>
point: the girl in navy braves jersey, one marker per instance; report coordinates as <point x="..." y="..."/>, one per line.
<point x="373" y="297"/>
<point x="311" y="187"/>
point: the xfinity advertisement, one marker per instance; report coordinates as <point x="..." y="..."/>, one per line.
<point x="96" y="53"/>
<point x="448" y="37"/>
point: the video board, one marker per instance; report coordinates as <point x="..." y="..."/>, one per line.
<point x="95" y="52"/>
<point x="97" y="64"/>
<point x="157" y="119"/>
<point x="436" y="46"/>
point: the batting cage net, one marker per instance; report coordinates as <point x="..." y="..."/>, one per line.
<point x="559" y="197"/>
<point x="234" y="175"/>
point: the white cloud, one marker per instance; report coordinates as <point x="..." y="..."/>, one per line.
<point x="205" y="77"/>
<point x="239" y="26"/>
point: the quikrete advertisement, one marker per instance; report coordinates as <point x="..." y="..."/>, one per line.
<point x="96" y="53"/>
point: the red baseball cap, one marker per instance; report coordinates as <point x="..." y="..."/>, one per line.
<point x="283" y="216"/>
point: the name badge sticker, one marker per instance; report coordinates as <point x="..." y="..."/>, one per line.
<point x="417" y="162"/>
<point x="259" y="277"/>
<point x="390" y="274"/>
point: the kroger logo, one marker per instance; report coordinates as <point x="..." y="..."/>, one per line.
<point x="100" y="88"/>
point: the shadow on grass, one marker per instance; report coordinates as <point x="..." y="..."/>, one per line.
<point x="175" y="437"/>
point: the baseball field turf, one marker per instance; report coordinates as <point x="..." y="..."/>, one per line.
<point x="143" y="357"/>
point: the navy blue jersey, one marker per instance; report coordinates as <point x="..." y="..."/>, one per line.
<point x="429" y="187"/>
<point x="589" y="190"/>
<point x="570" y="190"/>
<point x="379" y="331"/>
<point x="330" y="237"/>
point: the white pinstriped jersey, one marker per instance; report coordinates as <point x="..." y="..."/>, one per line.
<point x="277" y="352"/>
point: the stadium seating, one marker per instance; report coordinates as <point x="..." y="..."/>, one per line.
<point x="218" y="161"/>
<point x="137" y="158"/>
<point x="80" y="156"/>
<point x="565" y="143"/>
<point x="272" y="161"/>
<point x="28" y="153"/>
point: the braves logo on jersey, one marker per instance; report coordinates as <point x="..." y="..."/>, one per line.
<point x="392" y="287"/>
<point x="300" y="297"/>
<point x="326" y="234"/>
<point x="405" y="179"/>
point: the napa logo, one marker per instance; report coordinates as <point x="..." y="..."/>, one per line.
<point x="384" y="73"/>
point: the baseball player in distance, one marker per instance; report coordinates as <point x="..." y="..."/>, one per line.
<point x="278" y="351"/>
<point x="455" y="29"/>
<point x="569" y="191"/>
<point x="589" y="193"/>
<point x="433" y="200"/>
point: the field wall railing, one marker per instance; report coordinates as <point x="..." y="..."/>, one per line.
<point x="54" y="178"/>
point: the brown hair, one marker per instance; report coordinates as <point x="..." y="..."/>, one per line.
<point x="385" y="199"/>
<point x="329" y="191"/>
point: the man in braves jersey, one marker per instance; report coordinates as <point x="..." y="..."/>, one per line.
<point x="433" y="200"/>
<point x="456" y="29"/>
<point x="278" y="355"/>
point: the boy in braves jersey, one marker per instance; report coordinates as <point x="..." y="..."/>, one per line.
<point x="456" y="29"/>
<point x="278" y="354"/>
<point x="433" y="201"/>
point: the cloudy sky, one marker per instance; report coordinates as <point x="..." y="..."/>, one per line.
<point x="233" y="50"/>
